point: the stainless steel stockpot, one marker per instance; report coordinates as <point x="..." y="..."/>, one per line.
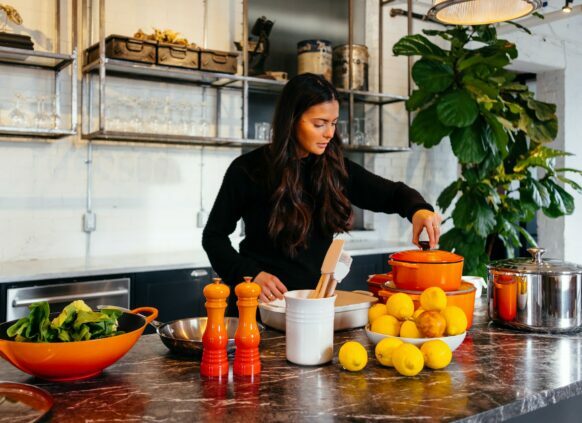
<point x="535" y="294"/>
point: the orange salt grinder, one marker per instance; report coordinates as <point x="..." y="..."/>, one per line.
<point x="247" y="336"/>
<point x="214" y="357"/>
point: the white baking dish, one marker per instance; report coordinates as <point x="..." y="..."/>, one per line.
<point x="351" y="310"/>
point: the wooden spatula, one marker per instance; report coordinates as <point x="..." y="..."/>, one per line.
<point x="328" y="267"/>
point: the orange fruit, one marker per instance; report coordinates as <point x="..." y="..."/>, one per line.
<point x="432" y="324"/>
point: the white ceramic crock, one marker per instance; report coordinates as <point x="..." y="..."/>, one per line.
<point x="309" y="328"/>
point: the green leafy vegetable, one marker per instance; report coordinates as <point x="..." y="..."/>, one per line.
<point x="77" y="322"/>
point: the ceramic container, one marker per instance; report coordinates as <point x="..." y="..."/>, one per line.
<point x="309" y="328"/>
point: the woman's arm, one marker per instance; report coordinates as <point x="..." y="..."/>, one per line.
<point x="372" y="192"/>
<point x="225" y="213"/>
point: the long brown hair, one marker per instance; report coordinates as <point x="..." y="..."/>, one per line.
<point x="294" y="213"/>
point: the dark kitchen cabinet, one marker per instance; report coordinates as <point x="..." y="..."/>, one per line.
<point x="2" y="302"/>
<point x="176" y="294"/>
<point x="362" y="267"/>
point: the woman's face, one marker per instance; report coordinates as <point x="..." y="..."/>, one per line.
<point x="316" y="127"/>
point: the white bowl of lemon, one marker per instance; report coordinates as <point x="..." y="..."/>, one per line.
<point x="452" y="341"/>
<point x="410" y="340"/>
<point x="433" y="320"/>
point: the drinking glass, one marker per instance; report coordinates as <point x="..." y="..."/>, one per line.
<point x="16" y="116"/>
<point x="42" y="118"/>
<point x="262" y="130"/>
<point x="359" y="134"/>
<point x="342" y="130"/>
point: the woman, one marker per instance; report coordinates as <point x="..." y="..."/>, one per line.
<point x="295" y="193"/>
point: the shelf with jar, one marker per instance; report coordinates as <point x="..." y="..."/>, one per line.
<point x="30" y="53"/>
<point x="100" y="108"/>
<point x="340" y="56"/>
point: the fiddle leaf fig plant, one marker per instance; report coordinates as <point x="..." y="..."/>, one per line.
<point x="499" y="133"/>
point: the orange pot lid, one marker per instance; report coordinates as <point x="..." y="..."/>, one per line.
<point x="427" y="256"/>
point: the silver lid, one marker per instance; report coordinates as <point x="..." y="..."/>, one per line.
<point x="535" y="265"/>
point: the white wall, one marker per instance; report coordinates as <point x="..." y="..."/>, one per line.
<point x="555" y="51"/>
<point x="146" y="197"/>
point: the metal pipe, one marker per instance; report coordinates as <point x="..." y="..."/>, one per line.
<point x="74" y="69"/>
<point x="380" y="70"/>
<point x="245" y="65"/>
<point x="401" y="12"/>
<point x="410" y="29"/>
<point x="351" y="94"/>
<point x="205" y="23"/>
<point x="57" y="27"/>
<point x="102" y="61"/>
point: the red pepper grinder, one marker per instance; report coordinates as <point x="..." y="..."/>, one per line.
<point x="214" y="357"/>
<point x="247" y="336"/>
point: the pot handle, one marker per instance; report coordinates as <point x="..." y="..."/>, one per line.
<point x="153" y="313"/>
<point x="383" y="293"/>
<point x="402" y="264"/>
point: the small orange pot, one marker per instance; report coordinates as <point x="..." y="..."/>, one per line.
<point x="67" y="361"/>
<point x="417" y="270"/>
<point x="463" y="298"/>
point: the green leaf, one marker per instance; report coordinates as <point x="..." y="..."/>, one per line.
<point x="479" y="87"/>
<point x="572" y="183"/>
<point x="538" y="157"/>
<point x="468" y="143"/>
<point x="432" y="76"/>
<point x="534" y="191"/>
<point x="514" y="86"/>
<point x="17" y="328"/>
<point x="448" y="195"/>
<point x="426" y="128"/>
<point x="561" y="203"/>
<point x="485" y="33"/>
<point x="543" y="111"/>
<point x="418" y="99"/>
<point x="417" y="45"/>
<point x="457" y="109"/>
<point x="473" y="212"/>
<point x="498" y="133"/>
<point x="529" y="239"/>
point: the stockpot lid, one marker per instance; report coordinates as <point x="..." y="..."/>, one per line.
<point x="535" y="264"/>
<point x="427" y="256"/>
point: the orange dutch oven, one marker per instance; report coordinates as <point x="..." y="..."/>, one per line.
<point x="420" y="269"/>
<point x="67" y="361"/>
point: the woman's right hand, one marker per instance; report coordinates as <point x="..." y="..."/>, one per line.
<point x="271" y="287"/>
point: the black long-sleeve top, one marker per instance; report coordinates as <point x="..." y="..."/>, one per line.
<point x="244" y="193"/>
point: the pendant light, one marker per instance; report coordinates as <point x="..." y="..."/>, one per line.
<point x="480" y="12"/>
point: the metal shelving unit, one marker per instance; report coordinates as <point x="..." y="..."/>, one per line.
<point x="55" y="62"/>
<point x="104" y="67"/>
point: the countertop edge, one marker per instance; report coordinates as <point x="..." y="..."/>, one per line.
<point x="50" y="269"/>
<point x="527" y="404"/>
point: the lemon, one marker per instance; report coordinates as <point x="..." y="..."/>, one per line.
<point x="436" y="354"/>
<point x="417" y="312"/>
<point x="353" y="356"/>
<point x="387" y="325"/>
<point x="376" y="311"/>
<point x="433" y="298"/>
<point x="400" y="305"/>
<point x="456" y="320"/>
<point x="407" y="360"/>
<point x="409" y="330"/>
<point x="384" y="350"/>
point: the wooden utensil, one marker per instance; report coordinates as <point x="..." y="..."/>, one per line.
<point x="342" y="268"/>
<point x="328" y="267"/>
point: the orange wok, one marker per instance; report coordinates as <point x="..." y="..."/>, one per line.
<point x="67" y="361"/>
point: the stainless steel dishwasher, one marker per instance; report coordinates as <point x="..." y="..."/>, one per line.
<point x="106" y="291"/>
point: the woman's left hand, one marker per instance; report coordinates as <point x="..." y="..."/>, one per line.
<point x="431" y="221"/>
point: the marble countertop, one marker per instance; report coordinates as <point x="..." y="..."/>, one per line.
<point x="496" y="374"/>
<point x="36" y="270"/>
